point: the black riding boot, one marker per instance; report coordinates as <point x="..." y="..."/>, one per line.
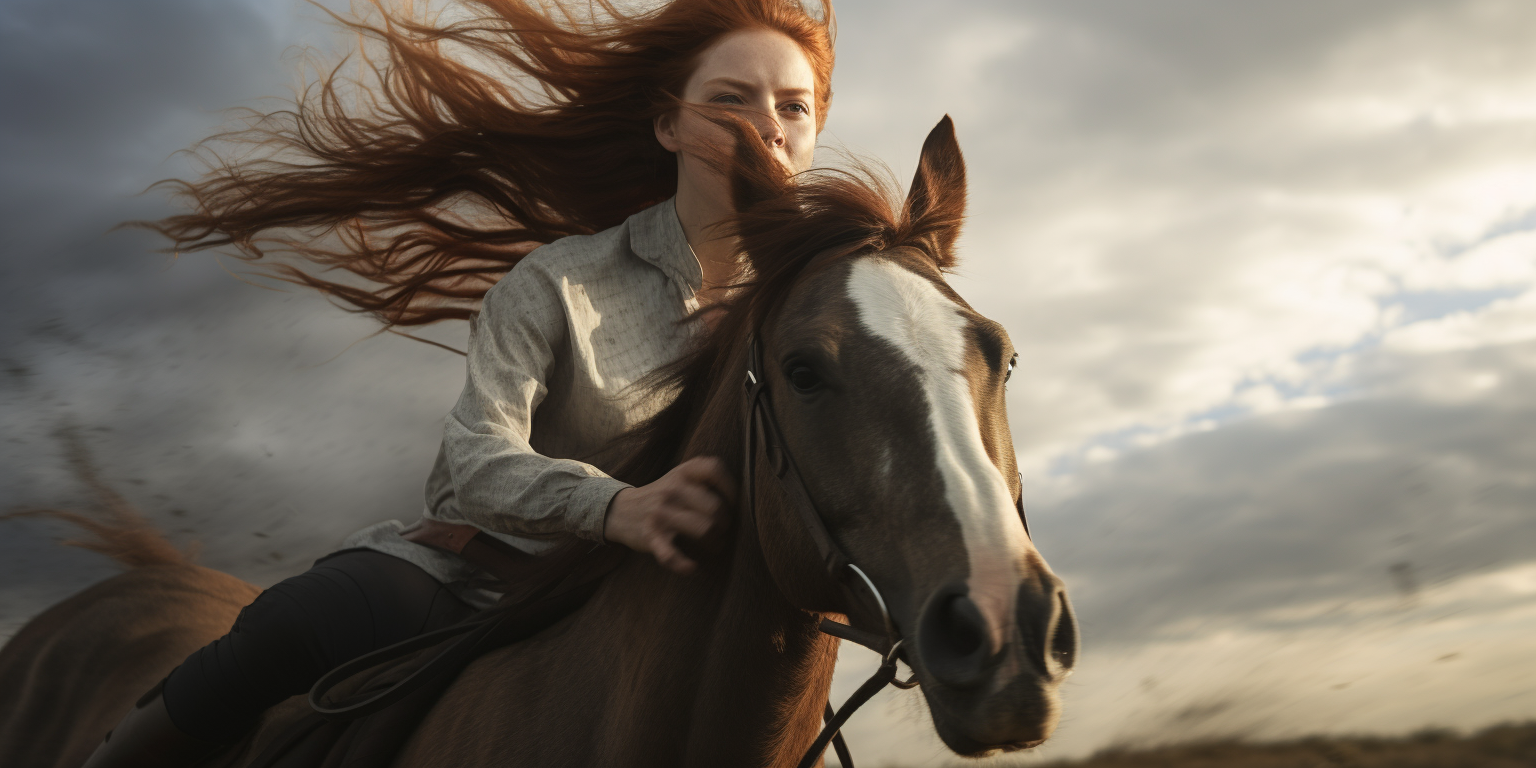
<point x="147" y="738"/>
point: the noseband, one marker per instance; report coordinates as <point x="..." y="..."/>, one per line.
<point x="763" y="435"/>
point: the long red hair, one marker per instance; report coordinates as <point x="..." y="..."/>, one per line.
<point x="474" y="142"/>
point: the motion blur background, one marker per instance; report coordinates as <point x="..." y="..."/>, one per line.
<point x="1270" y="267"/>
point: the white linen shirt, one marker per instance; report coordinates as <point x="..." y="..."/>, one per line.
<point x="553" y="352"/>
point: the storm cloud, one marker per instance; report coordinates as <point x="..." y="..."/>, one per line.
<point x="1271" y="270"/>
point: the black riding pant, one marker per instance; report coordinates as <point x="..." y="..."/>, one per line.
<point x="346" y="605"/>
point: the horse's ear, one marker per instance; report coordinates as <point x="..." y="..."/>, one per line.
<point x="936" y="202"/>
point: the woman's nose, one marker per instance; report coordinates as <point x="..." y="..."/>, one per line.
<point x="770" y="130"/>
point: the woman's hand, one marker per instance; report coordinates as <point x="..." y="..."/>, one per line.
<point x="687" y="501"/>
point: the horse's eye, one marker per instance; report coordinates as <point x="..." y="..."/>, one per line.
<point x="1014" y="361"/>
<point x="804" y="379"/>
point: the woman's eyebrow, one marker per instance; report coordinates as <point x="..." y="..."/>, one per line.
<point x="732" y="82"/>
<point x="746" y="86"/>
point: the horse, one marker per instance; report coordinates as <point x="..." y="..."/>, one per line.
<point x="887" y="392"/>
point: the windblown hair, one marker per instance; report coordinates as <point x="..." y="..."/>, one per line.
<point x="480" y="139"/>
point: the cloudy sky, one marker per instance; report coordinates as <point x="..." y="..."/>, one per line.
<point x="1271" y="268"/>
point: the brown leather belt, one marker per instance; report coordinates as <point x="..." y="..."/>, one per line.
<point x="492" y="555"/>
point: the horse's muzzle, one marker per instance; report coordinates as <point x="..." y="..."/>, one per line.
<point x="985" y="697"/>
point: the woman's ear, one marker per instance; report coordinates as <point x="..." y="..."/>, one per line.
<point x="935" y="206"/>
<point x="666" y="131"/>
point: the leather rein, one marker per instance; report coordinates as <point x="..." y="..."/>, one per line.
<point x="763" y="435"/>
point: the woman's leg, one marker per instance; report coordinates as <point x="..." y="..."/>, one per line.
<point x="346" y="605"/>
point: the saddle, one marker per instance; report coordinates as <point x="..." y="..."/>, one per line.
<point x="364" y="711"/>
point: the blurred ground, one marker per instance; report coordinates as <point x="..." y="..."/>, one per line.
<point x="1503" y="746"/>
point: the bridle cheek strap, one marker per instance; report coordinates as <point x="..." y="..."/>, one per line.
<point x="762" y="436"/>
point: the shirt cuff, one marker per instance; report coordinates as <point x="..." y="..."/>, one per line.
<point x="588" y="505"/>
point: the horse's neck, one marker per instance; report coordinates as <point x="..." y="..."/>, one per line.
<point x="713" y="669"/>
<point x="767" y="669"/>
<point x="765" y="672"/>
<point x="722" y="668"/>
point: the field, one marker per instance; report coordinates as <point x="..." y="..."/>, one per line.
<point x="1504" y="746"/>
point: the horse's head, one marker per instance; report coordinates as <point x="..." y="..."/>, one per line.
<point x="888" y="390"/>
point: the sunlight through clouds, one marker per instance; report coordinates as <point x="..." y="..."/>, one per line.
<point x="1201" y="255"/>
<point x="1270" y="269"/>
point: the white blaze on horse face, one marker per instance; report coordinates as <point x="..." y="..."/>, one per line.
<point x="908" y="311"/>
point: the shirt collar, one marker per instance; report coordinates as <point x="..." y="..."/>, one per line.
<point x="657" y="236"/>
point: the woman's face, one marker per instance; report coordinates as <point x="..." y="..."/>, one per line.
<point x="767" y="77"/>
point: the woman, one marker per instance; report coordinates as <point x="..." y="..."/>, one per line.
<point x="603" y="195"/>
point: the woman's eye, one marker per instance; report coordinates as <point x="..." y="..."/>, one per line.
<point x="802" y="378"/>
<point x="1011" y="363"/>
<point x="796" y="107"/>
<point x="728" y="98"/>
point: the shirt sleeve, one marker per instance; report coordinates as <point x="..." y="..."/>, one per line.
<point x="501" y="483"/>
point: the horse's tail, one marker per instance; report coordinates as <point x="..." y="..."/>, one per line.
<point x="124" y="535"/>
<point x="118" y="531"/>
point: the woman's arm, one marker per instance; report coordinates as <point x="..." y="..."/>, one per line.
<point x="502" y="484"/>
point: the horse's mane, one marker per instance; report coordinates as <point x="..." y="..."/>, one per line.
<point x="789" y="229"/>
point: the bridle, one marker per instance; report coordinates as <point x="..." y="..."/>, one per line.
<point x="762" y="433"/>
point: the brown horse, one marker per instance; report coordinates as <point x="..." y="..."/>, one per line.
<point x="889" y="393"/>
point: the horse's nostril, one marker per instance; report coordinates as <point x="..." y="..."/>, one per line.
<point x="1047" y="626"/>
<point x="1064" y="638"/>
<point x="960" y="628"/>
<point x="953" y="638"/>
